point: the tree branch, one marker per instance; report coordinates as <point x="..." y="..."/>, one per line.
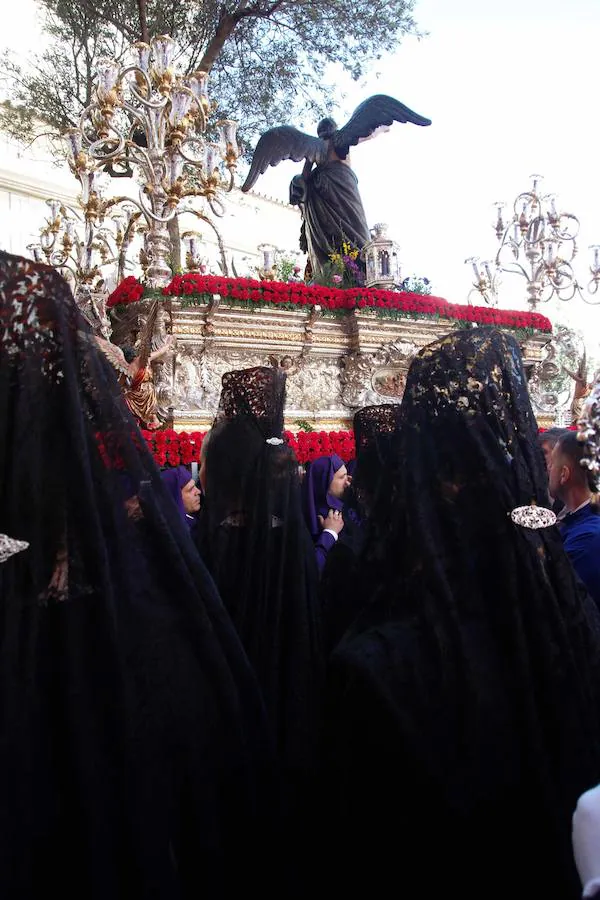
<point x="91" y="8"/>
<point x="228" y="23"/>
<point x="143" y="16"/>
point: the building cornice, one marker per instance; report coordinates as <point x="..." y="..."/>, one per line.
<point x="37" y="188"/>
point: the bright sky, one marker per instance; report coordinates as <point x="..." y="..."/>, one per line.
<point x="511" y="88"/>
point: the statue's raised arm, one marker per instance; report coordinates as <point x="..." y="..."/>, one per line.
<point x="327" y="194"/>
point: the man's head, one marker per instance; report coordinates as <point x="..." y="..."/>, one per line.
<point x="548" y="440"/>
<point x="569" y="480"/>
<point x="190" y="496"/>
<point x="340" y="481"/>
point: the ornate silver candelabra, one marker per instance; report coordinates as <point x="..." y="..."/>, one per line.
<point x="539" y="243"/>
<point x="82" y="243"/>
<point x="147" y="120"/>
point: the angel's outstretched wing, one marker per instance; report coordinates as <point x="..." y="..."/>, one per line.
<point x="282" y="143"/>
<point x="114" y="355"/>
<point x="372" y="114"/>
<point x="147" y="335"/>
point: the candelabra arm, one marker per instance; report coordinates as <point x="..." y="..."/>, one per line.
<point x="138" y="115"/>
<point x="152" y="216"/>
<point x="141" y="157"/>
<point x="75" y="213"/>
<point x="69" y="266"/>
<point x="216" y="206"/>
<point x="115" y="200"/>
<point x="104" y="156"/>
<point x="145" y="101"/>
<point x="185" y="143"/>
<point x="592" y="289"/>
<point x="525" y="197"/>
<point x="511" y="268"/>
<point x="220" y="242"/>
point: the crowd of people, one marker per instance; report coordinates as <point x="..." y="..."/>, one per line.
<point x="375" y="676"/>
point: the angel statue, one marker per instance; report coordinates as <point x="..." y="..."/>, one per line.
<point x="583" y="387"/>
<point x="327" y="194"/>
<point x="134" y="368"/>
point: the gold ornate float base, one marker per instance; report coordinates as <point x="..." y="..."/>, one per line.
<point x="334" y="364"/>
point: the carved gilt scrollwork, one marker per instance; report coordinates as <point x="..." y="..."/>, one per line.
<point x="370" y="378"/>
<point x="327" y="371"/>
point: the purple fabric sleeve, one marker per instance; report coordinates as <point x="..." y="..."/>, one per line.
<point x="323" y="545"/>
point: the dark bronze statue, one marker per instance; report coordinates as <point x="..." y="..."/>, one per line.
<point x="327" y="194"/>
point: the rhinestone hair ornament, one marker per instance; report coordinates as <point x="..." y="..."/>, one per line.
<point x="10" y="547"/>
<point x="533" y="517"/>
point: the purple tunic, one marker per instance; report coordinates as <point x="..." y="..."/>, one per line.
<point x="317" y="501"/>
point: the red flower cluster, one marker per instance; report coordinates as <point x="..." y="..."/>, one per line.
<point x="294" y="294"/>
<point x="308" y="445"/>
<point x="172" y="448"/>
<point x="131" y="290"/>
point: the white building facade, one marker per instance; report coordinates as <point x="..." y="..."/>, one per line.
<point x="29" y="176"/>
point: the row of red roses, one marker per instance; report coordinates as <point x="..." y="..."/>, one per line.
<point x="294" y="294"/>
<point x="172" y="448"/>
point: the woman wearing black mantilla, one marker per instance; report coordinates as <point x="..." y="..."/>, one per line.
<point x="133" y="747"/>
<point x="255" y="543"/>
<point x="463" y="716"/>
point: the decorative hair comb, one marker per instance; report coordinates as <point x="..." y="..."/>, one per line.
<point x="274" y="441"/>
<point x="9" y="547"/>
<point x="533" y="516"/>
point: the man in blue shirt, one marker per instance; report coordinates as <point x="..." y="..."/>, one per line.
<point x="580" y="522"/>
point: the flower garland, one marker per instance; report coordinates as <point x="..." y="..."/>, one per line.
<point x="195" y="287"/>
<point x="172" y="448"/>
<point x="129" y="291"/>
